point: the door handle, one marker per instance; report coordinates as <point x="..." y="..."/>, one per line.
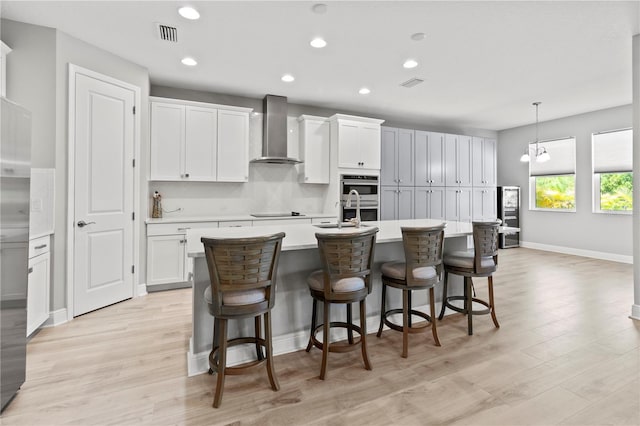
<point x="82" y="223"/>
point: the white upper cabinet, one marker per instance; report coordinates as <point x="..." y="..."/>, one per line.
<point x="201" y="126"/>
<point x="458" y="160"/>
<point x="358" y="140"/>
<point x="429" y="159"/>
<point x="233" y="146"/>
<point x="167" y="141"/>
<point x="199" y="142"/>
<point x="484" y="162"/>
<point x="397" y="152"/>
<point x="315" y="133"/>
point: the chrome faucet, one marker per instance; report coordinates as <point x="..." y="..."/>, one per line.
<point x="356" y="221"/>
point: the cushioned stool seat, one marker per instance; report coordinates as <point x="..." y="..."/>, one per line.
<point x="466" y="259"/>
<point x="343" y="285"/>
<point x="235" y="298"/>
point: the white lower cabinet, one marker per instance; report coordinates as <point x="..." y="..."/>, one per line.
<point x="429" y="203"/>
<point x="485" y="204"/>
<point x="38" y="284"/>
<point x="458" y="204"/>
<point x="396" y="202"/>
<point x="166" y="259"/>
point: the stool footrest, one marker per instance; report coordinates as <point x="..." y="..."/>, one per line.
<point x="338" y="346"/>
<point x="464" y="310"/>
<point x="238" y="369"/>
<point x="412" y="328"/>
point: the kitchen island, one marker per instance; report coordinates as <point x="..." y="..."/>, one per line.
<point x="291" y="315"/>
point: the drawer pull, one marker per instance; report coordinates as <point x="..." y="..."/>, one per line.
<point x="183" y="229"/>
<point x="41" y="246"/>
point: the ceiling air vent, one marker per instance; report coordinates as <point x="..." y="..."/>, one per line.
<point x="167" y="33"/>
<point x="412" y="82"/>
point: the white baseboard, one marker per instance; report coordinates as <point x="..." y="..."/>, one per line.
<point x="579" y="252"/>
<point x="56" y="318"/>
<point x="635" y="312"/>
<point x="198" y="363"/>
<point x="141" y="290"/>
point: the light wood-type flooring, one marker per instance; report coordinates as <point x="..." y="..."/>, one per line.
<point x="566" y="353"/>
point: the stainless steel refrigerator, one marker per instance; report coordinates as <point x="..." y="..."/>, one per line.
<point x="15" y="171"/>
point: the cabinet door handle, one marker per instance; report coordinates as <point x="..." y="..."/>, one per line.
<point x="30" y="270"/>
<point x="183" y="241"/>
<point x="41" y="246"/>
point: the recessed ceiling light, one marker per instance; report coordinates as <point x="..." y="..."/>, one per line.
<point x="417" y="36"/>
<point x="288" y="78"/>
<point x="319" y="8"/>
<point x="188" y="13"/>
<point x="318" y="43"/>
<point x="410" y="63"/>
<point x="364" y="91"/>
<point x="189" y="62"/>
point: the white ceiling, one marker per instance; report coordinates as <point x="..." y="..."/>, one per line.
<point x="483" y="63"/>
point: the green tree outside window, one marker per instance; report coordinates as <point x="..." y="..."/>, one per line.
<point x="616" y="191"/>
<point x="556" y="192"/>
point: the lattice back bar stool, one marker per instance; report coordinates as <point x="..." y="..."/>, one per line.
<point x="243" y="285"/>
<point x="345" y="278"/>
<point x="481" y="261"/>
<point x="421" y="270"/>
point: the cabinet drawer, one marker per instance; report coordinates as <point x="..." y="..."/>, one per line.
<point x="39" y="246"/>
<point x="176" y="228"/>
<point x="234" y="223"/>
<point x="278" y="222"/>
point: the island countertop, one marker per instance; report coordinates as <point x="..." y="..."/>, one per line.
<point x="299" y="237"/>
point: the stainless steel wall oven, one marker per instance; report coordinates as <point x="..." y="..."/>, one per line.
<point x="367" y="187"/>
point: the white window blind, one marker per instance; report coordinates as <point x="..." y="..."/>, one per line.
<point x="563" y="158"/>
<point x="613" y="151"/>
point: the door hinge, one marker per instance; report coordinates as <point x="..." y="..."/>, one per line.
<point x="133" y="269"/>
<point x="133" y="216"/>
<point x="134" y="110"/>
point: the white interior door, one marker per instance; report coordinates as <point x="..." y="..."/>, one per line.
<point x="103" y="193"/>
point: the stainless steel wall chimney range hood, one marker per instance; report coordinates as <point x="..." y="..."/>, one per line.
<point x="274" y="132"/>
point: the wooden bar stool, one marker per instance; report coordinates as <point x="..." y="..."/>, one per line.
<point x="421" y="270"/>
<point x="481" y="261"/>
<point x="345" y="278"/>
<point x="243" y="285"/>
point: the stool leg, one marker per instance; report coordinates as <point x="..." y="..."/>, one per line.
<point x="409" y="306"/>
<point x="469" y="304"/>
<point x="432" y="306"/>
<point x="444" y="295"/>
<point x="326" y="326"/>
<point x="493" y="307"/>
<point x="222" y="362"/>
<point x="363" y="336"/>
<point x="258" y="332"/>
<point x="313" y="324"/>
<point x="350" y="322"/>
<point x="405" y="323"/>
<point x="269" y="349"/>
<point x="382" y="308"/>
<point x="214" y="342"/>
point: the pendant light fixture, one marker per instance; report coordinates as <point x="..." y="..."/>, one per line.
<point x="541" y="153"/>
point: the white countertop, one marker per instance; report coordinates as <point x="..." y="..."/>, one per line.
<point x="222" y="218"/>
<point x="299" y="237"/>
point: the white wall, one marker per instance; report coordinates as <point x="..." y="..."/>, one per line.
<point x="582" y="230"/>
<point x="37" y="78"/>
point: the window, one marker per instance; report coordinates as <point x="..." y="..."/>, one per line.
<point x="612" y="171"/>
<point x="553" y="183"/>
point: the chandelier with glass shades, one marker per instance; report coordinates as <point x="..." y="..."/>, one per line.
<point x="541" y="152"/>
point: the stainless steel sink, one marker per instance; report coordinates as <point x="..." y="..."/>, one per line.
<point x="335" y="225"/>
